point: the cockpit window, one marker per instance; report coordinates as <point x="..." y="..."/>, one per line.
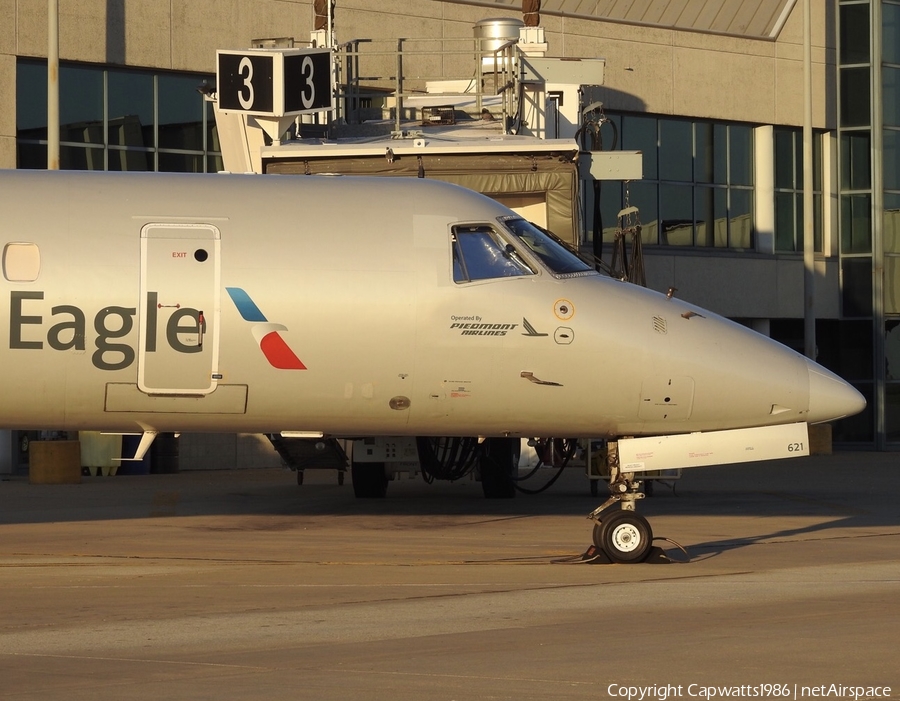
<point x="481" y="253"/>
<point x="561" y="261"/>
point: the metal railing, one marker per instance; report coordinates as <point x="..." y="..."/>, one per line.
<point x="388" y="73"/>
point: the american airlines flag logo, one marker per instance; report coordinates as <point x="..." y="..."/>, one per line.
<point x="267" y="335"/>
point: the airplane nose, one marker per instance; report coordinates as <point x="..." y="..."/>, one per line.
<point x="830" y="397"/>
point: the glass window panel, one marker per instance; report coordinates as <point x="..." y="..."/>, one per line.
<point x="891" y="222"/>
<point x="180" y="112"/>
<point x="854" y="20"/>
<point x="180" y="162"/>
<point x="856" y="224"/>
<point x="818" y="245"/>
<point x="845" y="347"/>
<point x="856" y="286"/>
<point x="712" y="153"/>
<point x="711" y="215"/>
<point x="125" y="99"/>
<point x="129" y="131"/>
<point x="214" y="164"/>
<point x="855" y="97"/>
<point x="740" y="218"/>
<point x="705" y="216"/>
<point x="639" y="134"/>
<point x="784" y="159"/>
<point x="892" y="349"/>
<point x="557" y="258"/>
<point x="676" y="217"/>
<point x="891" y="159"/>
<point x="31" y="101"/>
<point x="785" y="218"/>
<point x="130" y="108"/>
<point x="890" y="25"/>
<point x="817" y="162"/>
<point x="890" y="96"/>
<point x="128" y="159"/>
<point x="720" y="194"/>
<point x="741" y="155"/>
<point x="702" y="152"/>
<point x="643" y="195"/>
<point x="675" y="150"/>
<point x="610" y="204"/>
<point x="81" y="157"/>
<point x="720" y="209"/>
<point x="892" y="287"/>
<point x="81" y="104"/>
<point x="82" y="132"/>
<point x="892" y="412"/>
<point x="212" y="135"/>
<point x="480" y="253"/>
<point x="31" y="156"/>
<point x="856" y="166"/>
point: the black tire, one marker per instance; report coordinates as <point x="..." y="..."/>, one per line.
<point x="597" y="533"/>
<point x="625" y="537"/>
<point x="369" y="480"/>
<point x="498" y="464"/>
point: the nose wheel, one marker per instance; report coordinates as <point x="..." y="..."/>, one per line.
<point x="623" y="534"/>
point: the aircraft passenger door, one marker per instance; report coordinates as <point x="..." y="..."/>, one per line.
<point x="178" y="350"/>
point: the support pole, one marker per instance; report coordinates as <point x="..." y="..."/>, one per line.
<point x="53" y="85"/>
<point x="809" y="255"/>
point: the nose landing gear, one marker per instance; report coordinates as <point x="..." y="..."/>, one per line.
<point x="623" y="535"/>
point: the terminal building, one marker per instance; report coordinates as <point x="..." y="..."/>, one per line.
<point x="709" y="92"/>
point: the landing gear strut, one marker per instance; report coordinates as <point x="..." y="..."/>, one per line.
<point x="622" y="534"/>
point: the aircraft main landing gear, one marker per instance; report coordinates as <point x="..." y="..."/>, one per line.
<point x="623" y="535"/>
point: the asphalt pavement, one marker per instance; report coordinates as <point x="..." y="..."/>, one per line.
<point x="784" y="582"/>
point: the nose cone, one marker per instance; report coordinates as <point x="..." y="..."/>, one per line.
<point x="830" y="398"/>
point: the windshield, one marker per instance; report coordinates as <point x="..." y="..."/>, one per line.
<point x="560" y="260"/>
<point x="480" y="253"/>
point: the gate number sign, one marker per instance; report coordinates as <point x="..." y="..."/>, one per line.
<point x="274" y="83"/>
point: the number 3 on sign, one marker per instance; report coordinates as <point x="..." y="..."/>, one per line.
<point x="307" y="69"/>
<point x="246" y="66"/>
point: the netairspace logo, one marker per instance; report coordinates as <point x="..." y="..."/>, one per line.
<point x="658" y="692"/>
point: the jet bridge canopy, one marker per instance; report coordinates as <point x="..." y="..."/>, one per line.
<point x="536" y="177"/>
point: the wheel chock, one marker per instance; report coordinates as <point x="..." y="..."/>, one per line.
<point x="596" y="556"/>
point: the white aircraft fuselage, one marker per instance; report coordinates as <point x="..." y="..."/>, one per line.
<point x="155" y="302"/>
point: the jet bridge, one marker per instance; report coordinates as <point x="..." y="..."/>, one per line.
<point x="509" y="130"/>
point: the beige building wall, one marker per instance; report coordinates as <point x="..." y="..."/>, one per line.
<point x="665" y="71"/>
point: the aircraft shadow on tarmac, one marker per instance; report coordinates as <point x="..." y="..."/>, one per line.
<point x="781" y="499"/>
<point x="840" y="494"/>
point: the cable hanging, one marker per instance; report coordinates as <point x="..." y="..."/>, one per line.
<point x="628" y="226"/>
